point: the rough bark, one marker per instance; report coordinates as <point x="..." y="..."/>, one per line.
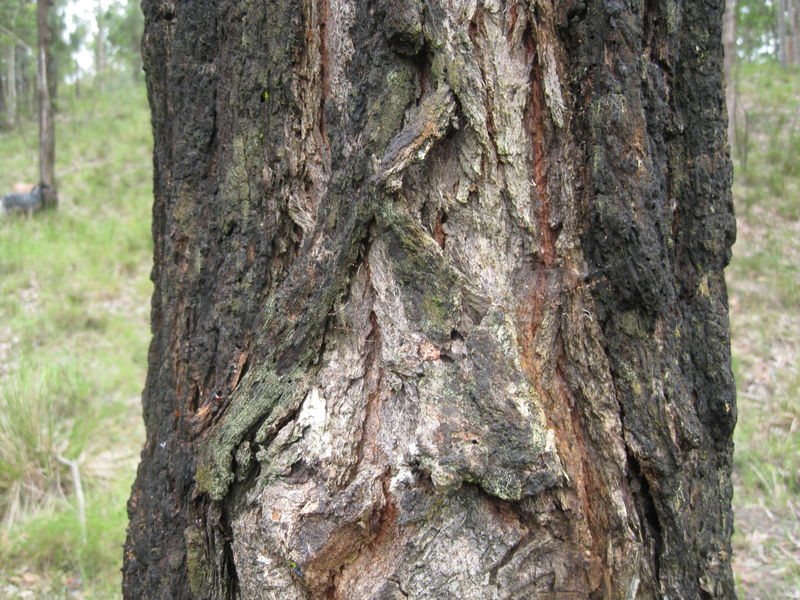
<point x="439" y="304"/>
<point x="47" y="132"/>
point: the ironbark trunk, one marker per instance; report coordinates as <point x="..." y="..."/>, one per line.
<point x="439" y="304"/>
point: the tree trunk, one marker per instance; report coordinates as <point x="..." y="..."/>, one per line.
<point x="794" y="30"/>
<point x="729" y="46"/>
<point x="100" y="43"/>
<point x="47" y="133"/>
<point x="10" y="87"/>
<point x="788" y="24"/>
<point x="52" y="64"/>
<point x="783" y="55"/>
<point x="439" y="304"/>
<point x="27" y="92"/>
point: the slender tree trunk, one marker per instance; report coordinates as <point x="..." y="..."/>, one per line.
<point x="794" y="30"/>
<point x="783" y="55"/>
<point x="100" y="44"/>
<point x="789" y="39"/>
<point x="47" y="139"/>
<point x="439" y="304"/>
<point x="27" y="91"/>
<point x="729" y="45"/>
<point x="52" y="66"/>
<point x="10" y="89"/>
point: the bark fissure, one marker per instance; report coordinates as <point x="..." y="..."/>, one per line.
<point x="647" y="510"/>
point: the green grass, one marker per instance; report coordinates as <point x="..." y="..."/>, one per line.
<point x="768" y="139"/>
<point x="74" y="306"/>
<point x="764" y="285"/>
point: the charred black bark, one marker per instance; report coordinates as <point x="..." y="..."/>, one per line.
<point x="439" y="307"/>
<point x="660" y="228"/>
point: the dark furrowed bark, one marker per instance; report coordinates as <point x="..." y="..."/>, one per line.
<point x="439" y="304"/>
<point x="661" y="226"/>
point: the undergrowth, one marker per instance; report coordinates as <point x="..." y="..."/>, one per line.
<point x="74" y="307"/>
<point x="764" y="285"/>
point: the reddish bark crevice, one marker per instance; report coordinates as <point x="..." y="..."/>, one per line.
<point x="438" y="232"/>
<point x="536" y="125"/>
<point x="593" y="495"/>
<point x="513" y="14"/>
<point x="387" y="529"/>
<point x="546" y="377"/>
<point x="367" y="450"/>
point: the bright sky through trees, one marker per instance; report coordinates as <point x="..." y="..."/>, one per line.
<point x="83" y="11"/>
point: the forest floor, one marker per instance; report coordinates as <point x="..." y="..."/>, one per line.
<point x="75" y="301"/>
<point x="764" y="288"/>
<point x="74" y="312"/>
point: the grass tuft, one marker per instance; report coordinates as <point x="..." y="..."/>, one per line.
<point x="38" y="412"/>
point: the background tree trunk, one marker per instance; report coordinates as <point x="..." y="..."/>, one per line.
<point x="100" y="43"/>
<point x="439" y="304"/>
<point x="16" y="49"/>
<point x="27" y="92"/>
<point x="788" y="36"/>
<point x="51" y="63"/>
<point x="729" y="46"/>
<point x="47" y="134"/>
<point x="783" y="44"/>
<point x="794" y="30"/>
<point x="10" y="87"/>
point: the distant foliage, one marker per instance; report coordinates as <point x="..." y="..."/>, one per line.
<point x="756" y="29"/>
<point x="117" y="29"/>
<point x="17" y="60"/>
<point x="768" y="30"/>
<point x="125" y="24"/>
